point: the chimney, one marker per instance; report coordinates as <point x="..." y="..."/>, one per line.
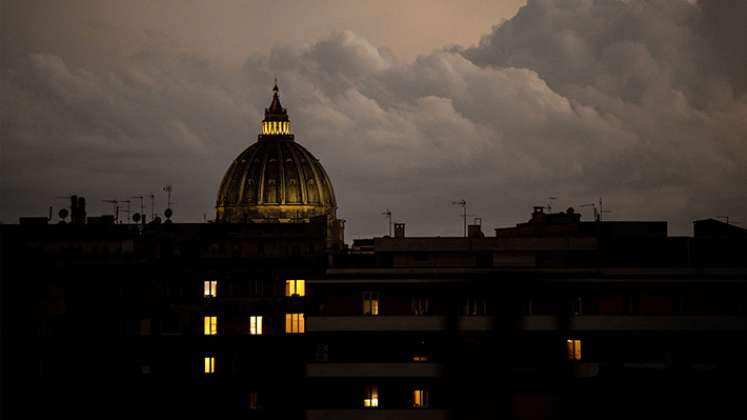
<point x="74" y="210"/>
<point x="399" y="230"/>
<point x="77" y="210"/>
<point x="81" y="210"/>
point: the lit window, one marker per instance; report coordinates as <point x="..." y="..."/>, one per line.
<point x="253" y="400"/>
<point x="211" y="325"/>
<point x="419" y="358"/>
<point x="210" y="288"/>
<point x="255" y="325"/>
<point x="420" y="398"/>
<point x="294" y="324"/>
<point x="295" y="288"/>
<point x="574" y="349"/>
<point x="419" y="305"/>
<point x="209" y="364"/>
<point x="370" y="303"/>
<point x="371" y="396"/>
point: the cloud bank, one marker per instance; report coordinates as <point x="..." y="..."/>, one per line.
<point x="639" y="102"/>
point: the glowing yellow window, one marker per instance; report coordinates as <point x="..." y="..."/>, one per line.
<point x="371" y="396"/>
<point x="420" y="398"/>
<point x="255" y="325"/>
<point x="295" y="288"/>
<point x="209" y="364"/>
<point x="294" y="324"/>
<point x="211" y="325"/>
<point x="419" y="358"/>
<point x="371" y="303"/>
<point x="574" y="349"/>
<point x="210" y="288"/>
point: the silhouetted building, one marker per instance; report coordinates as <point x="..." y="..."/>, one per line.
<point x="265" y="314"/>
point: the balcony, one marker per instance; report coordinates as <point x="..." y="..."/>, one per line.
<point x="377" y="414"/>
<point x="401" y="370"/>
<point x="529" y="323"/>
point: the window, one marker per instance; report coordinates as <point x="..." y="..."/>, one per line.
<point x="419" y="358"/>
<point x="322" y="352"/>
<point x="210" y="288"/>
<point x="209" y="365"/>
<point x="253" y="400"/>
<point x="211" y="325"/>
<point x="295" y="288"/>
<point x="371" y="303"/>
<point x="419" y="398"/>
<point x="294" y="324"/>
<point x="577" y="306"/>
<point x="145" y="326"/>
<point x="371" y="396"/>
<point x="573" y="347"/>
<point x="475" y="306"/>
<point x="255" y="325"/>
<point x="256" y="288"/>
<point x="419" y="305"/>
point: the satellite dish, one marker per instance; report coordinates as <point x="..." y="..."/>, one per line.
<point x="63" y="213"/>
<point x="136" y="217"/>
<point x="168" y="213"/>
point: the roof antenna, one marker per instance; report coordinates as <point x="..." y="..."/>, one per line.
<point x="594" y="208"/>
<point x="462" y="203"/>
<point x="116" y="209"/>
<point x="549" y="203"/>
<point x="127" y="210"/>
<point x="152" y="206"/>
<point x="602" y="211"/>
<point x="388" y="214"/>
<point x="142" y="214"/>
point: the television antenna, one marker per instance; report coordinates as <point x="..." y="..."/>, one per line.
<point x="169" y="189"/>
<point x="593" y="207"/>
<point x="388" y="214"/>
<point x="127" y="210"/>
<point x="152" y="206"/>
<point x="115" y="203"/>
<point x="602" y="211"/>
<point x="140" y="197"/>
<point x="549" y="203"/>
<point x="462" y="203"/>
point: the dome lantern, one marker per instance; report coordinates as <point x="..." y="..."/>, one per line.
<point x="276" y="124"/>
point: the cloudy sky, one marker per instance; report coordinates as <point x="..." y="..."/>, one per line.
<point x="408" y="104"/>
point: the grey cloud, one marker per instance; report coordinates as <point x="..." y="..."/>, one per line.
<point x="577" y="99"/>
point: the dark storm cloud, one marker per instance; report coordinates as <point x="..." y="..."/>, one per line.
<point x="638" y="102"/>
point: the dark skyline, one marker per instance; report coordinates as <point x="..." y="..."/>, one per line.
<point x="643" y="103"/>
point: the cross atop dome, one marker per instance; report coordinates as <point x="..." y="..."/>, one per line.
<point x="276" y="121"/>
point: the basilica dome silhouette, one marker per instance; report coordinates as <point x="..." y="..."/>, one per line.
<point x="275" y="179"/>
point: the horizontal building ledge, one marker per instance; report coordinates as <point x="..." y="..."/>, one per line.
<point x="405" y="370"/>
<point x="377" y="414"/>
<point x="528" y="323"/>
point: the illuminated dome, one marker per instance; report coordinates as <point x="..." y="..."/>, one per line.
<point x="275" y="179"/>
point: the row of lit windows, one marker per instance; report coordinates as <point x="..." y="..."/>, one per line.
<point x="292" y="288"/>
<point x="294" y="324"/>
<point x="371" y="397"/>
<point x="419" y="305"/>
<point x="276" y="127"/>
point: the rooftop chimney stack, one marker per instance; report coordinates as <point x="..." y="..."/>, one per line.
<point x="399" y="230"/>
<point x="475" y="231"/>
